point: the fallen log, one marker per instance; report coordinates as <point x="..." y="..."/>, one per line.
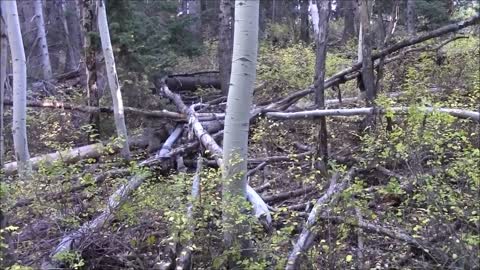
<point x="74" y="155"/>
<point x="184" y="259"/>
<point x="346" y="74"/>
<point x="260" y="208"/>
<point x="71" y="240"/>
<point x="313" y="114"/>
<point x="307" y="236"/>
<point x="167" y="146"/>
<point x="191" y="82"/>
<point x="90" y="109"/>
<point x="288" y="194"/>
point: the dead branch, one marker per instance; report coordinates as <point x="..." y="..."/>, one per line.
<point x="167" y="146"/>
<point x="288" y="194"/>
<point x="75" y="154"/>
<point x="260" y="208"/>
<point x="307" y="236"/>
<point x="313" y="114"/>
<point x="185" y="256"/>
<point x="345" y="74"/>
<point x="90" y="109"/>
<point x="71" y="240"/>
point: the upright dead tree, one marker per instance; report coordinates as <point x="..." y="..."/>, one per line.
<point x="225" y="43"/>
<point x="313" y="10"/>
<point x="348" y="13"/>
<point x="93" y="95"/>
<point x="410" y="17"/>
<point x="20" y="142"/>
<point x="365" y="52"/>
<point x="324" y="8"/>
<point x="42" y="41"/>
<point x="3" y="78"/>
<point x="112" y="77"/>
<point x="237" y="118"/>
<point x="304" y="31"/>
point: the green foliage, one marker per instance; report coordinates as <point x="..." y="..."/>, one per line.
<point x="147" y="35"/>
<point x="71" y="259"/>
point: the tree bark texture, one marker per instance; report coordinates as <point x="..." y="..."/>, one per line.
<point x="368" y="76"/>
<point x="313" y="114"/>
<point x="324" y="8"/>
<point x="348" y="20"/>
<point x="225" y="43"/>
<point x="112" y="77"/>
<point x="93" y="95"/>
<point x="42" y="41"/>
<point x="20" y="142"/>
<point x="73" y="58"/>
<point x="304" y="27"/>
<point x="237" y="117"/>
<point x="410" y="17"/>
<point x="3" y="79"/>
<point x="313" y="9"/>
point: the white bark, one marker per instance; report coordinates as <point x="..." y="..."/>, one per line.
<point x="460" y="113"/>
<point x="112" y="77"/>
<point x="260" y="208"/>
<point x="305" y="240"/>
<point x="70" y="241"/>
<point x="72" y="155"/>
<point x="314" y="19"/>
<point x="237" y="116"/>
<point x="3" y="78"/>
<point x="20" y="143"/>
<point x="42" y="41"/>
<point x="167" y="146"/>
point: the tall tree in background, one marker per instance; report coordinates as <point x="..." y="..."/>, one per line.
<point x="324" y="8"/>
<point x="20" y="142"/>
<point x="93" y="95"/>
<point x="410" y="17"/>
<point x="348" y="12"/>
<point x="3" y="78"/>
<point x="304" y="27"/>
<point x="365" y="52"/>
<point x="237" y="118"/>
<point x="313" y="10"/>
<point x="112" y="78"/>
<point x="225" y="43"/>
<point x="42" y="41"/>
<point x="73" y="57"/>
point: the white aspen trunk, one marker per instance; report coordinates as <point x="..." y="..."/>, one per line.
<point x="3" y="78"/>
<point x="42" y="41"/>
<point x="19" y="124"/>
<point x="359" y="48"/>
<point x="314" y="17"/>
<point x="237" y="119"/>
<point x="112" y="77"/>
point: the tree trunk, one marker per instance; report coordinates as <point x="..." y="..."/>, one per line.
<point x="225" y="44"/>
<point x="349" y="20"/>
<point x="112" y="77"/>
<point x="19" y="127"/>
<point x="368" y="76"/>
<point x="240" y="96"/>
<point x="411" y="17"/>
<point x="304" y="27"/>
<point x="72" y="59"/>
<point x="3" y="78"/>
<point x="42" y="41"/>
<point x="195" y="11"/>
<point x="93" y="95"/>
<point x="322" y="147"/>
<point x="314" y="17"/>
